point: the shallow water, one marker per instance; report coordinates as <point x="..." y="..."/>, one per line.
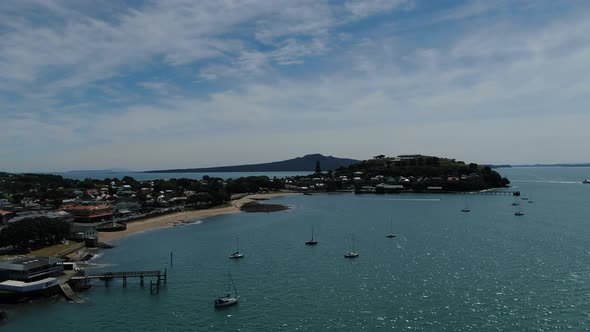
<point x="486" y="270"/>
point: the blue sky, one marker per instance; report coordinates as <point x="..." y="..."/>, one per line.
<point x="167" y="84"/>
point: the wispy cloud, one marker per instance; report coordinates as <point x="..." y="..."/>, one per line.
<point x="109" y="88"/>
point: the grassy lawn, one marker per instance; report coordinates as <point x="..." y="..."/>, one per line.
<point x="53" y="250"/>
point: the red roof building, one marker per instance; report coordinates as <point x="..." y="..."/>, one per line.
<point x="90" y="213"/>
<point x="5" y="216"/>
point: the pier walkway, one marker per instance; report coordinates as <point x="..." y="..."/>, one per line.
<point x="107" y="276"/>
<point x="112" y="275"/>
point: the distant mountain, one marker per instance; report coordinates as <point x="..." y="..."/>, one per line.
<point x="305" y="163"/>
<point x="113" y="170"/>
<point x="542" y="165"/>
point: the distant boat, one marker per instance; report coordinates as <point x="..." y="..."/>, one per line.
<point x="237" y="254"/>
<point x="516" y="202"/>
<point x="311" y="242"/>
<point x="351" y="254"/>
<point x="466" y="209"/>
<point x="228" y="300"/>
<point x="390" y="235"/>
<point x="519" y="212"/>
<point x="586" y="181"/>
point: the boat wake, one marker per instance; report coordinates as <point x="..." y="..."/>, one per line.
<point x="414" y="199"/>
<point x="548" y="181"/>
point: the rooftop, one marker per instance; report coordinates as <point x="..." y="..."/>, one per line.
<point x="26" y="263"/>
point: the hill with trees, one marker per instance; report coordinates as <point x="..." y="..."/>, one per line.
<point x="308" y="162"/>
<point x="420" y="172"/>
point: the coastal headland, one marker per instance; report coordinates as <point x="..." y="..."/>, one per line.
<point x="177" y="218"/>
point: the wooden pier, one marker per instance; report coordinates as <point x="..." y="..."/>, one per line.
<point x="161" y="277"/>
<point x="492" y="193"/>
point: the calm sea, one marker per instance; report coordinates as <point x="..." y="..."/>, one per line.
<point x="81" y="175"/>
<point x="487" y="270"/>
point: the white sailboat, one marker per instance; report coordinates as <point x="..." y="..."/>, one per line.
<point x="466" y="209"/>
<point x="351" y="254"/>
<point x="237" y="253"/>
<point x="228" y="300"/>
<point x="390" y="235"/>
<point x="519" y="212"/>
<point x="311" y="242"/>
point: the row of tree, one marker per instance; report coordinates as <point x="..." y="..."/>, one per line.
<point x="53" y="189"/>
<point x="34" y="233"/>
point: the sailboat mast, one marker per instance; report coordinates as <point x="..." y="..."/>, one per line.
<point x="352" y="242"/>
<point x="312" y="232"/>
<point x="234" y="285"/>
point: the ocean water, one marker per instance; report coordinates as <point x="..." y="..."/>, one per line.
<point x="486" y="270"/>
<point x="81" y="175"/>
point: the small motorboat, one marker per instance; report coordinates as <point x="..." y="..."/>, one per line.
<point x="586" y="181"/>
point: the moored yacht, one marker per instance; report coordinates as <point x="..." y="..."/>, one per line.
<point x="228" y="300"/>
<point x="237" y="253"/>
<point x="351" y="254"/>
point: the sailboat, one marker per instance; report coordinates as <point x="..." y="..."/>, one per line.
<point x="237" y="254"/>
<point x="519" y="212"/>
<point x="516" y="202"/>
<point x="311" y="242"/>
<point x="466" y="209"/>
<point x="228" y="300"/>
<point x="351" y="254"/>
<point x="531" y="200"/>
<point x="390" y="235"/>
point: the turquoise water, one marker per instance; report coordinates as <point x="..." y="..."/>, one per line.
<point x="81" y="175"/>
<point x="487" y="270"/>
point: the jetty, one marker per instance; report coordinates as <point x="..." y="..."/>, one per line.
<point x="492" y="193"/>
<point x="161" y="277"/>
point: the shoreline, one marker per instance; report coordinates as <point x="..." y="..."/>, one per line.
<point x="170" y="220"/>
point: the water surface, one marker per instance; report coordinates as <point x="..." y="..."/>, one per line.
<point x="487" y="270"/>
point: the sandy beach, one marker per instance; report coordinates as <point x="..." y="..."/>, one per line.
<point x="175" y="218"/>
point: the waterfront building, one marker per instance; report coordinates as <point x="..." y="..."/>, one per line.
<point x="27" y="277"/>
<point x="90" y="213"/>
<point x="83" y="231"/>
<point x="29" y="269"/>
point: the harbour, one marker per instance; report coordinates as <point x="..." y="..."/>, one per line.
<point x="444" y="269"/>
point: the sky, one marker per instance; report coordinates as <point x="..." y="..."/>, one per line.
<point x="186" y="83"/>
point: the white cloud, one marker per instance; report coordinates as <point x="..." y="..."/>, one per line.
<point x="382" y="93"/>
